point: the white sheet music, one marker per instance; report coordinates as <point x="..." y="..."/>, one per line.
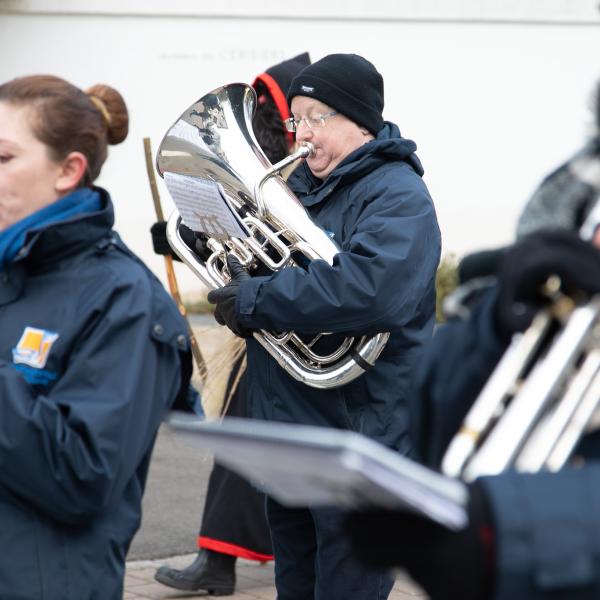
<point x="203" y="207"/>
<point x="314" y="466"/>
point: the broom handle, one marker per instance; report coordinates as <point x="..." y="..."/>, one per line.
<point x="171" y="278"/>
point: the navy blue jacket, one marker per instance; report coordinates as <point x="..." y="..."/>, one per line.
<point x="79" y="412"/>
<point x="378" y="210"/>
<point x="547" y="525"/>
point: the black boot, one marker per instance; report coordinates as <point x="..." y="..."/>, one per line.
<point x="211" y="571"/>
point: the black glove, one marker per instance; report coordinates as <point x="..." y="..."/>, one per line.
<point x="225" y="298"/>
<point x="159" y="240"/>
<point x="446" y="564"/>
<point x="194" y="241"/>
<point x="528" y="265"/>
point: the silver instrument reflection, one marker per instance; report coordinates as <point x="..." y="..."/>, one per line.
<point x="213" y="141"/>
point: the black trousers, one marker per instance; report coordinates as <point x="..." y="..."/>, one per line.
<point x="313" y="559"/>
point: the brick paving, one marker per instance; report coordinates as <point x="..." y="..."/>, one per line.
<point x="254" y="582"/>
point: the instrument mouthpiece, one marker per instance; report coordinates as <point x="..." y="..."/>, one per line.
<point x="308" y="148"/>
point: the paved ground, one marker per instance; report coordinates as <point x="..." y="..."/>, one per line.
<point x="173" y="501"/>
<point x="254" y="582"/>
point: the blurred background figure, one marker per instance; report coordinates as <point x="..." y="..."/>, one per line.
<point x="272" y="109"/>
<point x="566" y="196"/>
<point x="234" y="523"/>
<point x="93" y="352"/>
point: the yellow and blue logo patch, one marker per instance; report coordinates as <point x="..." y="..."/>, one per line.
<point x="34" y="347"/>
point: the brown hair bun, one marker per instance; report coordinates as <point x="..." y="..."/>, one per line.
<point x="113" y="109"/>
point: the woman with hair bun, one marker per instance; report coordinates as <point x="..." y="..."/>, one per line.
<point x="92" y="350"/>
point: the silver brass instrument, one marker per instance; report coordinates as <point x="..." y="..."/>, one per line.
<point x="213" y="141"/>
<point x="542" y="396"/>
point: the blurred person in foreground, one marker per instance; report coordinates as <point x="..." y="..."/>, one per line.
<point x="364" y="186"/>
<point x="93" y="352"/>
<point x="233" y="522"/>
<point x="530" y="536"/>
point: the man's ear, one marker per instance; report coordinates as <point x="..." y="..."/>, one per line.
<point x="367" y="135"/>
<point x="71" y="172"/>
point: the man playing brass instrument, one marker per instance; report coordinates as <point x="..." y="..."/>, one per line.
<point x="363" y="186"/>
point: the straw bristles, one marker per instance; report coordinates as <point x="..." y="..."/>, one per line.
<point x="221" y="350"/>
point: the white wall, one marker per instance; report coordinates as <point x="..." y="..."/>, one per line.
<point x="494" y="99"/>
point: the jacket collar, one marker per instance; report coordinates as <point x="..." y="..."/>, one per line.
<point x="55" y="242"/>
<point x="65" y="238"/>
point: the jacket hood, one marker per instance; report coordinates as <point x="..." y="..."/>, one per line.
<point x="389" y="145"/>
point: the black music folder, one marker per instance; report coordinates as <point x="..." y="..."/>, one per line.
<point x="301" y="465"/>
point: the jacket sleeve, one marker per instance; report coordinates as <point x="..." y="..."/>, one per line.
<point x="378" y="281"/>
<point x="547" y="533"/>
<point x="71" y="453"/>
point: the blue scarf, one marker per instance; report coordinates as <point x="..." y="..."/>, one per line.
<point x="12" y="239"/>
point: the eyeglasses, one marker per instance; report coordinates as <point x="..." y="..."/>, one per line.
<point x="292" y="124"/>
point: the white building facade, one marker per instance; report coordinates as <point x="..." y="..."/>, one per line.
<point x="495" y="93"/>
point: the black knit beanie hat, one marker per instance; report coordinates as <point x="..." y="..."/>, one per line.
<point x="348" y="83"/>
